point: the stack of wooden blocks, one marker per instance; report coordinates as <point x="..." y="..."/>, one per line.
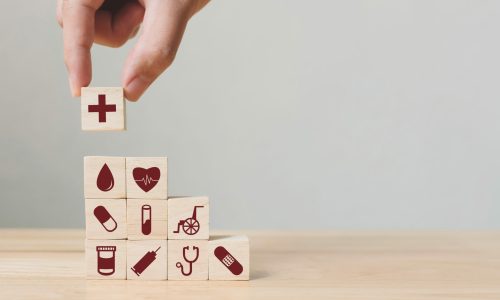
<point x="133" y="230"/>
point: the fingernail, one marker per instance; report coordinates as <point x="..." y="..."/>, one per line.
<point x="135" y="88"/>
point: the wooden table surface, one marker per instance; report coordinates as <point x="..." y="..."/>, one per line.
<point x="49" y="264"/>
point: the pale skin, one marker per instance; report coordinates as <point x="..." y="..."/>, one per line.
<point x="114" y="22"/>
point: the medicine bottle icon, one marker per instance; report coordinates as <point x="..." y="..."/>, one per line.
<point x="106" y="260"/>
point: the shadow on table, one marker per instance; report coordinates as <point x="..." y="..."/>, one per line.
<point x="258" y="274"/>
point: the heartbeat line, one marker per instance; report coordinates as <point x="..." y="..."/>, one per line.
<point x="147" y="180"/>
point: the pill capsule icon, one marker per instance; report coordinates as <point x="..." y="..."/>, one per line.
<point x="104" y="217"/>
<point x="228" y="260"/>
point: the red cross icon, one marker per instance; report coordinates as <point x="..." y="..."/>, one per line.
<point x="102" y="108"/>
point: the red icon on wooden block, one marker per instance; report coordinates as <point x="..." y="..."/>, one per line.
<point x="190" y="226"/>
<point x="228" y="260"/>
<point x="146" y="179"/>
<point x="102" y="108"/>
<point x="190" y="261"/>
<point x="105" y="181"/>
<point x="105" y="218"/>
<point x="144" y="262"/>
<point x="106" y="260"/>
<point x="146" y="219"/>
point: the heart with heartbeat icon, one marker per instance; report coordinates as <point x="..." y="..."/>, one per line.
<point x="146" y="179"/>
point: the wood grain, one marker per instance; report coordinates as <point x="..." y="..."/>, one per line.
<point x="158" y="214"/>
<point x="92" y="166"/>
<point x="92" y="257"/>
<point x="136" y="250"/>
<point x="238" y="249"/>
<point x="197" y="252"/>
<point x="114" y="120"/>
<point x="50" y="264"/>
<point x="117" y="209"/>
<point x="180" y="217"/>
<point x="159" y="190"/>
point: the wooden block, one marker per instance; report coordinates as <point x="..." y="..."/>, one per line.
<point x="187" y="260"/>
<point x="146" y="177"/>
<point x="147" y="260"/>
<point x="106" y="219"/>
<point x="147" y="219"/>
<point x="229" y="258"/>
<point x="188" y="218"/>
<point x="104" y="177"/>
<point x="103" y="108"/>
<point x="106" y="259"/>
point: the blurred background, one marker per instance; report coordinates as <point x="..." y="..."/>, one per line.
<point x="288" y="114"/>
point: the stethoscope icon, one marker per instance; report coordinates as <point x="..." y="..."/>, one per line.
<point x="190" y="262"/>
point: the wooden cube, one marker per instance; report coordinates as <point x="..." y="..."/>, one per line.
<point x="103" y="108"/>
<point x="228" y="258"/>
<point x="187" y="260"/>
<point x="146" y="177"/>
<point x="188" y="218"/>
<point x="104" y="177"/>
<point x="106" y="219"/>
<point x="147" y="260"/>
<point x="147" y="219"/>
<point x="106" y="259"/>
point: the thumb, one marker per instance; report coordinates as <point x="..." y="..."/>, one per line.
<point x="163" y="28"/>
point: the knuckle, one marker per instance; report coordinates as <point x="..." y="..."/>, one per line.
<point x="157" y="60"/>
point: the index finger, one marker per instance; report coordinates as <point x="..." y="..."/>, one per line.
<point x="78" y="34"/>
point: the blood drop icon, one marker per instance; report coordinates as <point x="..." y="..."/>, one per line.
<point x="105" y="180"/>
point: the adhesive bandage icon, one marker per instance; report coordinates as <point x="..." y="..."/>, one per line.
<point x="104" y="217"/>
<point x="228" y="260"/>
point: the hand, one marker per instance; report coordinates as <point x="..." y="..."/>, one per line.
<point x="112" y="23"/>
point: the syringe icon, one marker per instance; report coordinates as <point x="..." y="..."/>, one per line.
<point x="144" y="262"/>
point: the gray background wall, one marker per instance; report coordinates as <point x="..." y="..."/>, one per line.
<point x="288" y="114"/>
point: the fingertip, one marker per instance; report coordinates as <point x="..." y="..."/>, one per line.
<point x="73" y="86"/>
<point x="135" y="88"/>
<point x="78" y="80"/>
<point x="73" y="89"/>
<point x="76" y="89"/>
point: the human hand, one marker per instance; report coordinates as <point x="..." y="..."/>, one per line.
<point x="112" y="23"/>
